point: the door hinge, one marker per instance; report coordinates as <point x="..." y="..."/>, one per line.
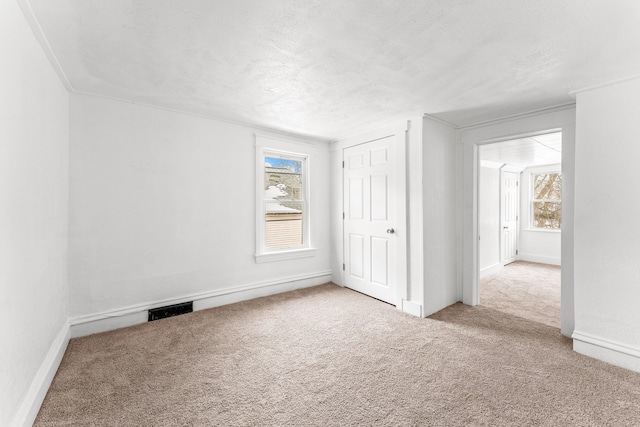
<point x="343" y="164"/>
<point x="343" y="267"/>
<point x="516" y="252"/>
<point x="343" y="216"/>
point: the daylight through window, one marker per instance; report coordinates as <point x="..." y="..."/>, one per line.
<point x="546" y="204"/>
<point x="284" y="200"/>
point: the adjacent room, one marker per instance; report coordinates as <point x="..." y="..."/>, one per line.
<point x="520" y="225"/>
<point x="291" y="213"/>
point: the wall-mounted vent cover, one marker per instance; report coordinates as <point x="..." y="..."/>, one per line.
<point x="170" y="310"/>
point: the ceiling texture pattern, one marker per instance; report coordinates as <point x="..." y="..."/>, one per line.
<point x="328" y="68"/>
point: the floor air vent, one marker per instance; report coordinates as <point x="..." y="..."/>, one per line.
<point x="170" y="310"/>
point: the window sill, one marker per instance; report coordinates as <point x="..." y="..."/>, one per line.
<point x="285" y="255"/>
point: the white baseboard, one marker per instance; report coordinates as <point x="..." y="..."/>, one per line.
<point x="117" y="320"/>
<point x="243" y="293"/>
<point x="412" y="308"/>
<point x="28" y="411"/>
<point x="541" y="259"/>
<point x="492" y="269"/>
<point x="612" y="352"/>
<point x="136" y="314"/>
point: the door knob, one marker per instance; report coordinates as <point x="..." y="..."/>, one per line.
<point x="391" y="231"/>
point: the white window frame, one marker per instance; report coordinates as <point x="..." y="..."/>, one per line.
<point x="270" y="147"/>
<point x="532" y="200"/>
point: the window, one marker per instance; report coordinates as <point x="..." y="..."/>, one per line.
<point x="546" y="201"/>
<point x="282" y="195"/>
<point x="284" y="202"/>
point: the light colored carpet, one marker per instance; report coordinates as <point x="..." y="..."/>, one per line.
<point x="328" y="356"/>
<point x="525" y="289"/>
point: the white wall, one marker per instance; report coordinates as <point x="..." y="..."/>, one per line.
<point x="501" y="130"/>
<point x="163" y="208"/>
<point x="337" y="189"/>
<point x="607" y="226"/>
<point x="439" y="216"/>
<point x="33" y="218"/>
<point x="541" y="246"/>
<point x="489" y="220"/>
<point x="415" y="210"/>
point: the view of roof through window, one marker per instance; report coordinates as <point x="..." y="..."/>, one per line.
<point x="283" y="202"/>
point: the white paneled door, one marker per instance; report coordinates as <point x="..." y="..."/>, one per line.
<point x="509" y="202"/>
<point x="369" y="219"/>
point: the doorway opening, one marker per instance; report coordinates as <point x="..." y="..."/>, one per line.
<point x="519" y="222"/>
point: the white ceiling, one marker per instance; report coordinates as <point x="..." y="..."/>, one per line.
<point x="525" y="152"/>
<point x="329" y="68"/>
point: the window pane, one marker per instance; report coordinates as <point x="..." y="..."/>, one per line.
<point x="284" y="205"/>
<point x="283" y="178"/>
<point x="547" y="186"/>
<point x="547" y="215"/>
<point x="283" y="224"/>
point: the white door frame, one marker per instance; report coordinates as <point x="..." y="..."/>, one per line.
<point x="401" y="231"/>
<point x="556" y="119"/>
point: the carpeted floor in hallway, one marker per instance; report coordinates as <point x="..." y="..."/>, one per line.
<point x="524" y="289"/>
<point x="329" y="356"/>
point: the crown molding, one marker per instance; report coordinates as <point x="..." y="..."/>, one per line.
<point x="236" y="122"/>
<point x="574" y="93"/>
<point x="27" y="11"/>
<point x="536" y="112"/>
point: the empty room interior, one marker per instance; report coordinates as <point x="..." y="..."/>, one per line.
<point x="319" y="213"/>
<point x="520" y="226"/>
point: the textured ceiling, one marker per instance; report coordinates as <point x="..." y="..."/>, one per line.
<point x="330" y="68"/>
